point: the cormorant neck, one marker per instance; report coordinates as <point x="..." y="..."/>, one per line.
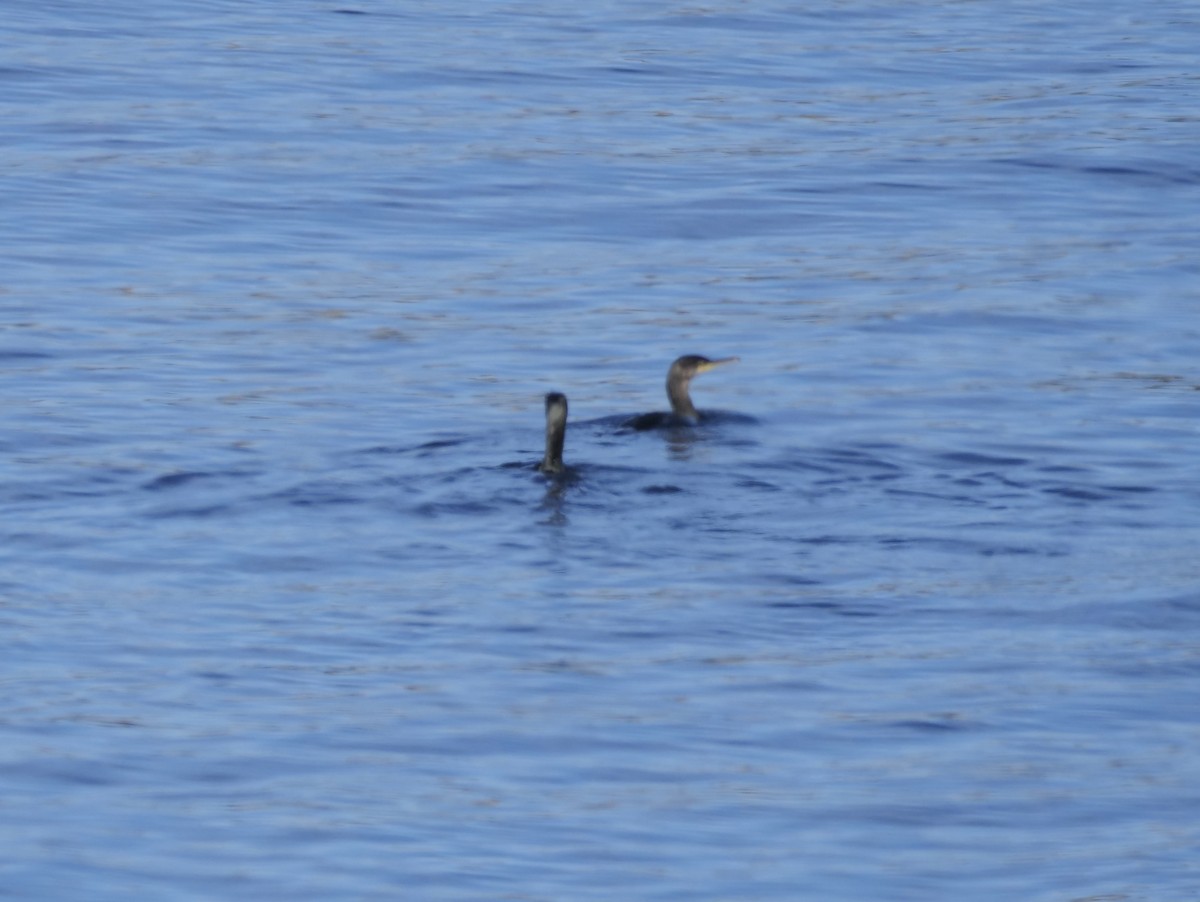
<point x="681" y="400"/>
<point x="556" y="433"/>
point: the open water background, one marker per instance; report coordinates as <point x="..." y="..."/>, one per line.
<point x="282" y="287"/>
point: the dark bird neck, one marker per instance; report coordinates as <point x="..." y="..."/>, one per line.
<point x="681" y="400"/>
<point x="556" y="433"/>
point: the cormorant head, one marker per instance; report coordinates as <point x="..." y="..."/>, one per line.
<point x="680" y="376"/>
<point x="690" y="365"/>
<point x="556" y="409"/>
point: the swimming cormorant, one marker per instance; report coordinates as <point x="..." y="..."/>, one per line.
<point x="556" y="433"/>
<point x="679" y="377"/>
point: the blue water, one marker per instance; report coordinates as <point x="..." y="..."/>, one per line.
<point x="287" y="613"/>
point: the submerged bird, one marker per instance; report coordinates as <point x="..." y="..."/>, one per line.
<point x="556" y="433"/>
<point x="679" y="378"/>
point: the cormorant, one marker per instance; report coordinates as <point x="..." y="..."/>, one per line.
<point x="679" y="377"/>
<point x="556" y="433"/>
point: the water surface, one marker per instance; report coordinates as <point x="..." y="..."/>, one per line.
<point x="286" y="610"/>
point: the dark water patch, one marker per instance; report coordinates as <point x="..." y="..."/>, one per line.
<point x="631" y="70"/>
<point x="799" y="463"/>
<point x="422" y="550"/>
<point x="1171" y="177"/>
<point x="848" y="610"/>
<point x="1076" y="493"/>
<point x="938" y="496"/>
<point x="519" y="628"/>
<point x="874" y="446"/>
<point x="460" y="474"/>
<point x="1002" y="480"/>
<point x="663" y="490"/>
<point x="984" y="479"/>
<point x="848" y="457"/>
<point x="316" y="495"/>
<point x="173" y="480"/>
<point x="527" y="465"/>
<point x="980" y="548"/>
<point x="187" y="477"/>
<point x="436" y="509"/>
<point x="977" y="459"/>
<point x="10" y="354"/>
<point x="1019" y="551"/>
<point x="831" y="540"/>
<point x="968" y="481"/>
<point x="845" y="461"/>
<point x="940" y="724"/>
<point x="197" y="512"/>
<point x="1160" y="173"/>
<point x="424" y="449"/>
<point x="1158" y="381"/>
<point x="814" y="604"/>
<point x="911" y="186"/>
<point x="563" y="666"/>
<point x="757" y="484"/>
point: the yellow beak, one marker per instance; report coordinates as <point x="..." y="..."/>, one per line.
<point x="713" y="364"/>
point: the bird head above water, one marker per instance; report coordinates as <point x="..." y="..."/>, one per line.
<point x="679" y="378"/>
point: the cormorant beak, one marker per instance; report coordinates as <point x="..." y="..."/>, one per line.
<point x="713" y="364"/>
